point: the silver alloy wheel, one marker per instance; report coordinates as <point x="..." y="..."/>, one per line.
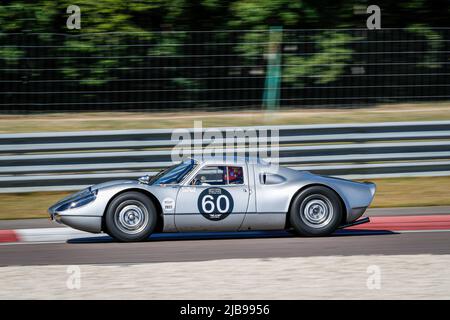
<point x="132" y="218"/>
<point x="317" y="211"/>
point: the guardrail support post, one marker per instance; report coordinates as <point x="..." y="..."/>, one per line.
<point x="271" y="97"/>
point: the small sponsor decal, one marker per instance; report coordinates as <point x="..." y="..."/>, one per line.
<point x="168" y="205"/>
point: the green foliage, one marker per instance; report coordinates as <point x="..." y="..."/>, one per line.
<point x="90" y="57"/>
<point x="260" y="12"/>
<point x="11" y="55"/>
<point x="326" y="65"/>
<point x="431" y="58"/>
<point x="18" y="16"/>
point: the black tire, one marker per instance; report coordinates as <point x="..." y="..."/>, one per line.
<point x="131" y="216"/>
<point x="308" y="215"/>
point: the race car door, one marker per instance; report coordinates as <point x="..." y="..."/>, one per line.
<point x="216" y="199"/>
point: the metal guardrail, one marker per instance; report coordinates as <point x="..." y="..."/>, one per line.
<point x="51" y="161"/>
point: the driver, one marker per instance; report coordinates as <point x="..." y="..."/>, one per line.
<point x="200" y="181"/>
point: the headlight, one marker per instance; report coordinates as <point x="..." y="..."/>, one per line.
<point x="79" y="201"/>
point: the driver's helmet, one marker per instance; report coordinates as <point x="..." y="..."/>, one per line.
<point x="235" y="175"/>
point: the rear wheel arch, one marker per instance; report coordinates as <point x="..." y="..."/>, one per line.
<point x="160" y="220"/>
<point x="343" y="206"/>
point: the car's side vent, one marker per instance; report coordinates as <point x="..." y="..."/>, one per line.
<point x="264" y="178"/>
<point x="271" y="178"/>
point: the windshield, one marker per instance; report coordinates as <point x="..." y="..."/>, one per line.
<point x="173" y="174"/>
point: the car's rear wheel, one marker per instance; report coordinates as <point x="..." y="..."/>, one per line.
<point x="316" y="211"/>
<point x="131" y="216"/>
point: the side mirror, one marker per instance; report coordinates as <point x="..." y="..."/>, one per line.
<point x="144" y="180"/>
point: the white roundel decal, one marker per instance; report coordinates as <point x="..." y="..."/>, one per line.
<point x="168" y="205"/>
<point x="215" y="203"/>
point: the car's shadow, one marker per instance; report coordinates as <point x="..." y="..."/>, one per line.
<point x="179" y="236"/>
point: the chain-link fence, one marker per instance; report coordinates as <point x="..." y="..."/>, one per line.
<point x="222" y="69"/>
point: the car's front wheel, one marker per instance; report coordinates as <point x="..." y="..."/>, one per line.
<point x="131" y="216"/>
<point x="316" y="211"/>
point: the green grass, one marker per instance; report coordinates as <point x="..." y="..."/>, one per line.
<point x="140" y="120"/>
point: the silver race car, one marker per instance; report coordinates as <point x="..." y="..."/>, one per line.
<point x="237" y="194"/>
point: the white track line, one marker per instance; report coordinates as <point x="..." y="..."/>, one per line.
<point x="423" y="231"/>
<point x="62" y="235"/>
<point x="51" y="234"/>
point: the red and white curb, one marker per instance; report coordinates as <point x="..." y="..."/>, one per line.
<point x="42" y="235"/>
<point x="400" y="224"/>
<point x="9" y="236"/>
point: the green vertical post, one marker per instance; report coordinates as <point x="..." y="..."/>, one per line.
<point x="271" y="97"/>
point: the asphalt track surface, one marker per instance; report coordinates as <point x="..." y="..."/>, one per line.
<point x="401" y="234"/>
<point x="101" y="250"/>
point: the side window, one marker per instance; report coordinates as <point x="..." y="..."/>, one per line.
<point x="219" y="175"/>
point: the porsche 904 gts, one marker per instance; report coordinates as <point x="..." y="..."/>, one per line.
<point x="214" y="195"/>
